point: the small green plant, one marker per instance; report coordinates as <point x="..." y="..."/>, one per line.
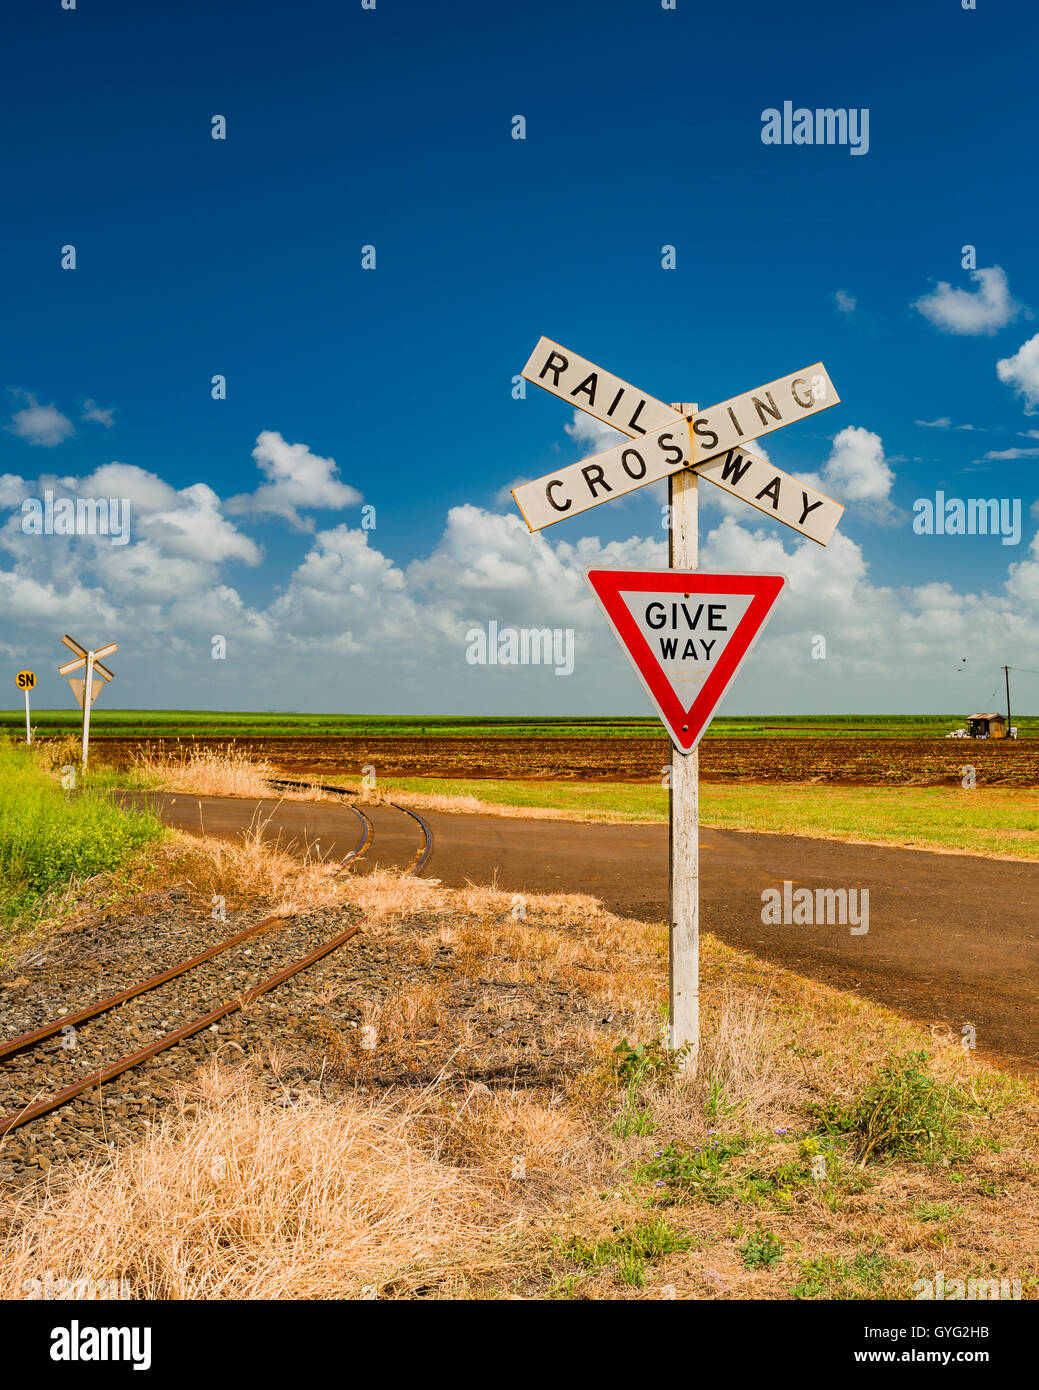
<point x="902" y="1113"/>
<point x="652" y="1061"/>
<point x="564" y="1288"/>
<point x="717" y="1106"/>
<point x="636" y="1065"/>
<point x="761" y="1250"/>
<point x="936" y="1211"/>
<point x="679" y="1172"/>
<point x="629" y="1251"/>
<point x="832" y="1277"/>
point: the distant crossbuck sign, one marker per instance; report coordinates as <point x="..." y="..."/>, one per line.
<point x="711" y="441"/>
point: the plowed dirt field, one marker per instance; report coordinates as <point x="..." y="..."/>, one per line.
<point x="851" y="761"/>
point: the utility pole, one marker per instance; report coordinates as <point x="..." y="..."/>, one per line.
<point x="1006" y="672"/>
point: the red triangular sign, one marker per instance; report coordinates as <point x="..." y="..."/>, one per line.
<point x="687" y="634"/>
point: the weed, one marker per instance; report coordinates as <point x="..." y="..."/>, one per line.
<point x="679" y="1173"/>
<point x="761" y="1250"/>
<point x="902" y="1113"/>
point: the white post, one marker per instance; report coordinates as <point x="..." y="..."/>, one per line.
<point x="28" y="726"/>
<point x="87" y="689"/>
<point x="684" y="809"/>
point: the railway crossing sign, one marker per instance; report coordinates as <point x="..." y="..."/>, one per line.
<point x="26" y="680"/>
<point x="87" y="687"/>
<point x="686" y="633"/>
<point x="711" y="441"/>
<point x="79" y="689"/>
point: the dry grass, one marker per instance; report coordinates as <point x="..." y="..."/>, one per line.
<point x="527" y="1138"/>
<point x="203" y="771"/>
<point x="232" y="1198"/>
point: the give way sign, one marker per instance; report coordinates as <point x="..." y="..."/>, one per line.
<point x="686" y="633"/>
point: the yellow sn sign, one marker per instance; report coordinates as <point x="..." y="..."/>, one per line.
<point x="25" y="680"/>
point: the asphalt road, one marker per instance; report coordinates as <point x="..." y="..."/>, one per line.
<point x="951" y="940"/>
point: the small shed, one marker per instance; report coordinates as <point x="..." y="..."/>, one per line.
<point x="987" y="725"/>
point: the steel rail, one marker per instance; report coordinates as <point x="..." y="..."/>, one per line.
<point x="424" y="853"/>
<point x="48" y="1030"/>
<point x="33" y="1111"/>
<point x="16" y="1118"/>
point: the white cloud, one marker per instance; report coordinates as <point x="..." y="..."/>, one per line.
<point x="985" y="311"/>
<point x="857" y="474"/>
<point x="40" y="424"/>
<point x="355" y="629"/>
<point x="596" y="436"/>
<point x="943" y="423"/>
<point x="844" y="301"/>
<point x="296" y="478"/>
<point x="92" y="411"/>
<point x="1022" y="372"/>
<point x="1012" y="454"/>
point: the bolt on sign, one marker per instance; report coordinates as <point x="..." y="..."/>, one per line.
<point x="686" y="632"/>
<point x="712" y="441"/>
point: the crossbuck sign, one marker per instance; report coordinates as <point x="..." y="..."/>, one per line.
<point x="713" y="441"/>
<point x="685" y="632"/>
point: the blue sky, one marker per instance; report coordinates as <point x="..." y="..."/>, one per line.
<point x="392" y="127"/>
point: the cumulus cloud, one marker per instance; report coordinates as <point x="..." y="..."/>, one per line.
<point x="296" y="478"/>
<point x="984" y="311"/>
<point x="593" y="434"/>
<point x="40" y="424"/>
<point x="943" y="423"/>
<point x="352" y="627"/>
<point x="844" y="301"/>
<point x="1022" y="373"/>
<point x="857" y="474"/>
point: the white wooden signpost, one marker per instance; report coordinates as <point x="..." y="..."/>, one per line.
<point x="87" y="687"/>
<point x="686" y="632"/>
<point x="26" y="680"/>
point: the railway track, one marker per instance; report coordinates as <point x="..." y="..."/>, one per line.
<point x="57" y="1032"/>
<point x="424" y="852"/>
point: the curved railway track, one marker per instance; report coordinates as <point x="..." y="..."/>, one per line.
<point x="423" y="854"/>
<point x="70" y="1022"/>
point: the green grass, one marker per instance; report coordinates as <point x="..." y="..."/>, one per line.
<point x="49" y="836"/>
<point x="832" y="1277"/>
<point x="993" y="820"/>
<point x="629" y="1251"/>
<point x="108" y="723"/>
